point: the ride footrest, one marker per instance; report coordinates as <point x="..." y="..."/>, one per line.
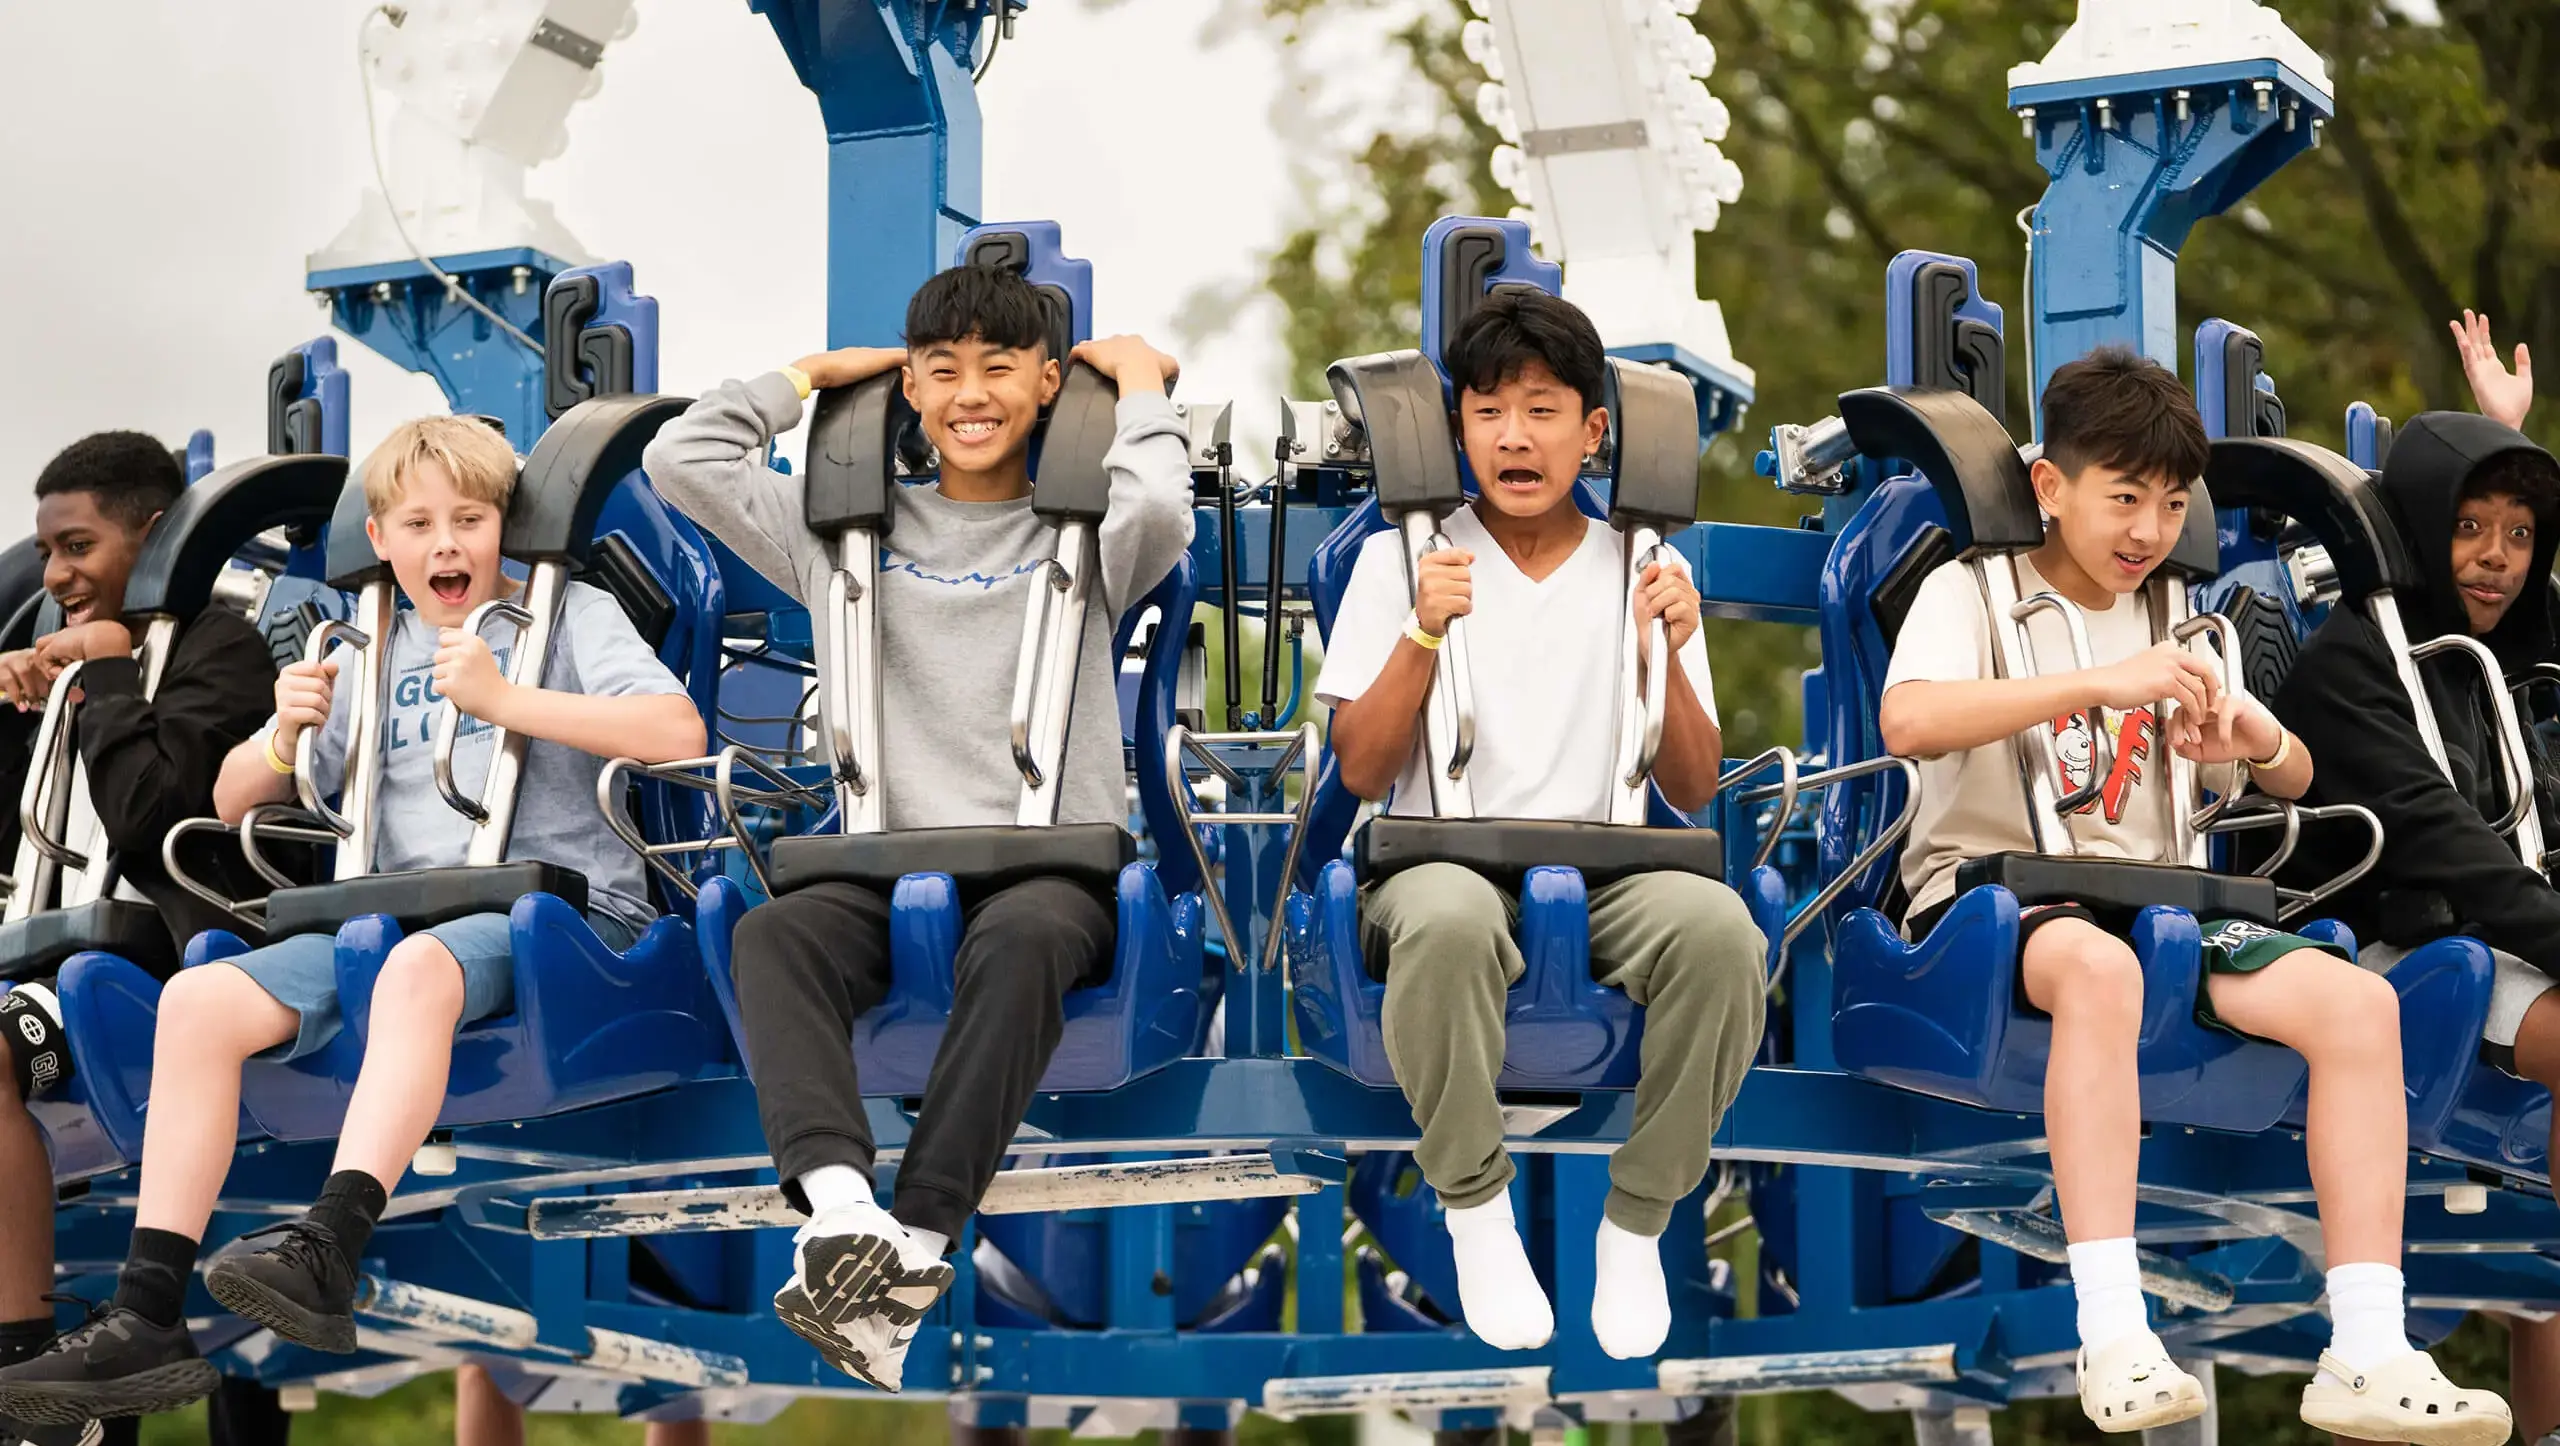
<point x="1808" y="1371"/>
<point x="35" y="946"/>
<point x="2116" y="890"/>
<point x="1505" y="849"/>
<point x="1289" y="1398"/>
<point x="421" y="898"/>
<point x="981" y="859"/>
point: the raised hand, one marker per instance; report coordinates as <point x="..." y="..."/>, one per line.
<point x="466" y="673"/>
<point x="1667" y="593"/>
<point x="1130" y="362"/>
<point x="2503" y="396"/>
<point x="2163" y="672"/>
<point x="1443" y="589"/>
<point x="303" y="691"/>
<point x="850" y="364"/>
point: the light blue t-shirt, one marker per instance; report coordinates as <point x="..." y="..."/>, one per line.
<point x="594" y="651"/>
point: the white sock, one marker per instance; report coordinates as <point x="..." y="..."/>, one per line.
<point x="1631" y="1304"/>
<point x="1498" y="1291"/>
<point x="2106" y="1279"/>
<point x="929" y="1246"/>
<point x="841" y="1196"/>
<point x="2367" y="1324"/>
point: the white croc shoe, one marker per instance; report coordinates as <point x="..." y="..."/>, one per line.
<point x="2404" y="1399"/>
<point x="2130" y="1384"/>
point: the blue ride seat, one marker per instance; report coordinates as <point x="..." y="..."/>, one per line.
<point x="590" y="1024"/>
<point x="1944" y="1015"/>
<point x="2461" y="1107"/>
<point x="1146" y="1015"/>
<point x="109" y="953"/>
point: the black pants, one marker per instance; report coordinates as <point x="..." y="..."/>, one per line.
<point x="808" y="963"/>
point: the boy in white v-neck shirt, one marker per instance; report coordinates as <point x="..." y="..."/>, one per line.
<point x="1542" y="588"/>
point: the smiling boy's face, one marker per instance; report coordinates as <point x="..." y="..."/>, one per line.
<point x="2116" y="526"/>
<point x="88" y="556"/>
<point x="442" y="546"/>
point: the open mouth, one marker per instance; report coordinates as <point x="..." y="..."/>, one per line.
<point x="450" y="588"/>
<point x="75" y="609"/>
<point x="2133" y="561"/>
<point x="976" y="429"/>
<point x="1521" y="479"/>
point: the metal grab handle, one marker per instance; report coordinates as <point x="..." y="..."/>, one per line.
<point x="2243" y="818"/>
<point x="34" y="802"/>
<point x="1299" y="746"/>
<point x="2226" y="648"/>
<point x="1026" y="669"/>
<point x="723" y="786"/>
<point x="2102" y="744"/>
<point x="267" y="820"/>
<point x="276" y="820"/>
<point x="1456" y="674"/>
<point x="1866" y="858"/>
<point x="449" y="713"/>
<point x="835" y="707"/>
<point x="306" y="743"/>
<point x="2301" y="901"/>
<point x="1784" y="790"/>
<point x="2514" y="761"/>
<point x="1657" y="687"/>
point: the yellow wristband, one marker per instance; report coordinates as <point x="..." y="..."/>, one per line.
<point x="1413" y="629"/>
<point x="276" y="760"/>
<point x="799" y="381"/>
<point x="2284" y="750"/>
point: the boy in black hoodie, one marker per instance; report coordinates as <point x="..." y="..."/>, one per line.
<point x="151" y="762"/>
<point x="2480" y="507"/>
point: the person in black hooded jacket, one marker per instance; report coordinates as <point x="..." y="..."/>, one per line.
<point x="150" y="762"/>
<point x="2479" y="506"/>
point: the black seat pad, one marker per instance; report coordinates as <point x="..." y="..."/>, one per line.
<point x="2115" y="890"/>
<point x="1504" y="850"/>
<point x="35" y="946"/>
<point x="421" y="898"/>
<point x="981" y="859"/>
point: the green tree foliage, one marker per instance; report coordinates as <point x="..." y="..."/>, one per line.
<point x="1866" y="127"/>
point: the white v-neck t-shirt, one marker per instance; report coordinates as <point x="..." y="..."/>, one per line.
<point x="1544" y="659"/>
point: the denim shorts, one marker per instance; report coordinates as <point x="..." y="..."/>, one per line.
<point x="301" y="973"/>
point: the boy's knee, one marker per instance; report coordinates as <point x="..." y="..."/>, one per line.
<point x="1437" y="902"/>
<point x="1712" y="936"/>
<point x="2093" y="973"/>
<point x="2361" y="1008"/>
<point x="420" y="973"/>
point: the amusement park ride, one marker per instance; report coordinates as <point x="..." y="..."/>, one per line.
<point x="1218" y="1144"/>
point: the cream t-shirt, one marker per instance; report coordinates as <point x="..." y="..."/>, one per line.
<point x="1543" y="659"/>
<point x="1975" y="802"/>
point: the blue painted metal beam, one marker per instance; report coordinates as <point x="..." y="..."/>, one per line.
<point x="892" y="81"/>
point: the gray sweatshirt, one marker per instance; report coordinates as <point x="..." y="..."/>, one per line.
<point x="954" y="592"/>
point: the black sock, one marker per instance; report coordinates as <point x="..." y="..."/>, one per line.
<point x="153" y="1284"/>
<point x="349" y="1205"/>
<point x="23" y="1340"/>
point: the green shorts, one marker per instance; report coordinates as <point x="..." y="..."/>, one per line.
<point x="2238" y="946"/>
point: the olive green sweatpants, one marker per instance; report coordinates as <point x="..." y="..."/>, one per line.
<point x="1682" y="946"/>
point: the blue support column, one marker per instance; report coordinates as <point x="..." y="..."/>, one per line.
<point x="400" y="310"/>
<point x="2135" y="161"/>
<point x="892" y="81"/>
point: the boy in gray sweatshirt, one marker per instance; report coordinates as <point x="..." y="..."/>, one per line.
<point x="955" y="571"/>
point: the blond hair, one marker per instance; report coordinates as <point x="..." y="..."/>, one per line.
<point x="473" y="454"/>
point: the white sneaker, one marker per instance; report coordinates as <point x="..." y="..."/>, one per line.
<point x="857" y="1296"/>
<point x="2130" y="1384"/>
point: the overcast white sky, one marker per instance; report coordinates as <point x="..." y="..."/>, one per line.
<point x="168" y="165"/>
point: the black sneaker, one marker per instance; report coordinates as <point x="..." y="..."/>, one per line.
<point x="300" y="1287"/>
<point x="118" y="1364"/>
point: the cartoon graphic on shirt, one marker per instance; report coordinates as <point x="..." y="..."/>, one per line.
<point x="2075" y="749"/>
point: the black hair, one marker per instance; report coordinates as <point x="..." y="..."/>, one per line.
<point x="132" y="475"/>
<point x="993" y="305"/>
<point x="1518" y="325"/>
<point x="2115" y="408"/>
<point x="2528" y="475"/>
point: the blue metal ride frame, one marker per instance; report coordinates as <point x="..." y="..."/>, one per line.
<point x="199" y="454"/>
<point x="402" y="311"/>
<point x="2133" y="162"/>
<point x="893" y="84"/>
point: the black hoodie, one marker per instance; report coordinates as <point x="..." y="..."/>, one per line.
<point x="2443" y="869"/>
